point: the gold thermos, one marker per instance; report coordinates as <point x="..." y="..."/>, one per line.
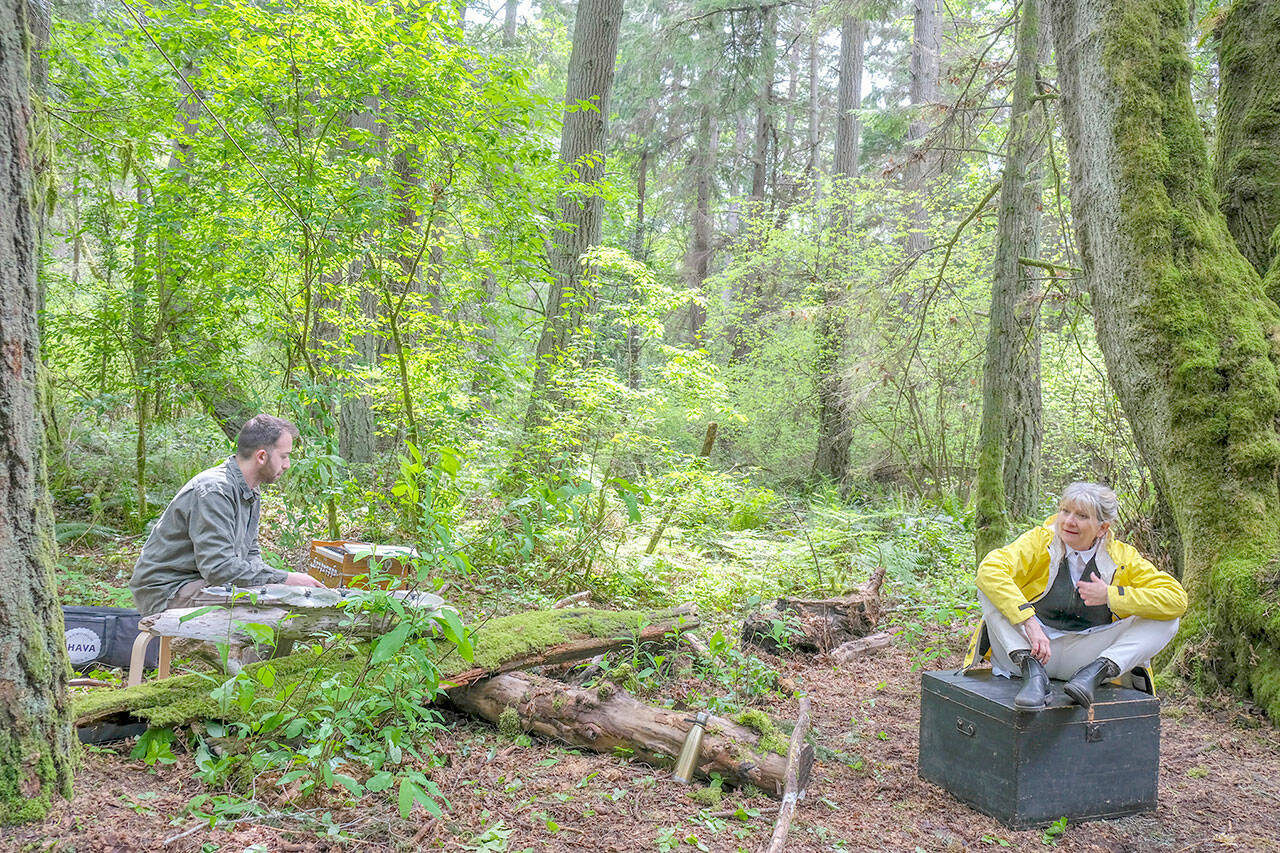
<point x="688" y="760"/>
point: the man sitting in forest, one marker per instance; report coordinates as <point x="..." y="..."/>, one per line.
<point x="208" y="535"/>
<point x="1066" y="600"/>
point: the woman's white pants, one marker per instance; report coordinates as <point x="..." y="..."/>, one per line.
<point x="1129" y="642"/>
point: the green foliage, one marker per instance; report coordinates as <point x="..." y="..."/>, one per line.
<point x="738" y="674"/>
<point x="753" y="511"/>
<point x="1054" y="832"/>
<point x="929" y="564"/>
<point x="345" y="732"/>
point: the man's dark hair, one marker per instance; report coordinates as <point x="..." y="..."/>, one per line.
<point x="262" y="431"/>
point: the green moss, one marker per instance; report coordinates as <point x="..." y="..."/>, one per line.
<point x="509" y="637"/>
<point x="182" y="699"/>
<point x="1209" y="335"/>
<point x="509" y="724"/>
<point x="710" y="796"/>
<point x="771" y="740"/>
<point x="1247" y="166"/>
<point x="26" y="788"/>
<point x="25" y="809"/>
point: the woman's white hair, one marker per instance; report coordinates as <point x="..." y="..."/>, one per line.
<point x="1095" y="496"/>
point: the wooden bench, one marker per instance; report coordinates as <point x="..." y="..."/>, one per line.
<point x="291" y="613"/>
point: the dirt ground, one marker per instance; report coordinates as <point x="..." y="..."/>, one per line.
<point x="1219" y="789"/>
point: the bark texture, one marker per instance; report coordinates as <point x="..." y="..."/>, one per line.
<point x="582" y="143"/>
<point x="926" y="45"/>
<point x="1247" y="167"/>
<point x="835" y="429"/>
<point x="1188" y="335"/>
<point x="816" y="625"/>
<point x="605" y="720"/>
<point x="36" y="742"/>
<point x="753" y="301"/>
<point x="698" y="259"/>
<point x="1008" y="438"/>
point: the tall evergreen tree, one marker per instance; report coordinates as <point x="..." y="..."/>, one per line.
<point x="834" y="426"/>
<point x="36" y="739"/>
<point x="1182" y="321"/>
<point x="1009" y="436"/>
<point x="582" y="143"/>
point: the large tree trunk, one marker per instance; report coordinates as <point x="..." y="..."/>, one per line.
<point x="926" y="45"/>
<point x="509" y="21"/>
<point x="698" y="259"/>
<point x="1182" y="321"/>
<point x="356" y="427"/>
<point x="639" y="251"/>
<point x="1247" y="168"/>
<point x="764" y="102"/>
<point x="750" y="297"/>
<point x="35" y="734"/>
<point x="1008" y="439"/>
<point x="835" y="428"/>
<point x="582" y="142"/>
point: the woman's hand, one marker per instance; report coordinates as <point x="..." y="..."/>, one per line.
<point x="1036" y="636"/>
<point x="1093" y="592"/>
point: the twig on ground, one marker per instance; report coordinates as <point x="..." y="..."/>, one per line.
<point x="791" y="793"/>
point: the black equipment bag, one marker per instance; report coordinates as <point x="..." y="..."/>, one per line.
<point x="103" y="636"/>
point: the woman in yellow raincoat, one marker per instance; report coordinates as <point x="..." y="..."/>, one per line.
<point x="1066" y="600"/>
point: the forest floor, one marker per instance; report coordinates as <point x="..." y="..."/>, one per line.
<point x="1219" y="788"/>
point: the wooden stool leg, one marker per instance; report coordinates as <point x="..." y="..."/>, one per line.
<point x="163" y="669"/>
<point x="138" y="658"/>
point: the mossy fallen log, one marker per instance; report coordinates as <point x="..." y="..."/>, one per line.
<point x="500" y="643"/>
<point x="608" y="720"/>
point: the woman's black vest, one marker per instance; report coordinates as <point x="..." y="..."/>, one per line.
<point x="1061" y="606"/>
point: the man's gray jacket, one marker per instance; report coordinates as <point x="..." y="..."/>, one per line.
<point x="210" y="531"/>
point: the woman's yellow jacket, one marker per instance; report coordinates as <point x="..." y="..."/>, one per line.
<point x="1020" y="573"/>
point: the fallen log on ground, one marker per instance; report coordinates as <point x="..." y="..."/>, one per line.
<point x="610" y="720"/>
<point x="501" y="643"/>
<point x="666" y="627"/>
<point x="816" y="625"/>
<point x="861" y="648"/>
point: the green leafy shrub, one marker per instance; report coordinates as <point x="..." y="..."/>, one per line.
<point x="753" y="510"/>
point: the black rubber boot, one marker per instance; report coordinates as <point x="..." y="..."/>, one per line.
<point x="1035" y="682"/>
<point x="1081" y="686"/>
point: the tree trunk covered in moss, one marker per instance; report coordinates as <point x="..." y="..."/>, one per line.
<point x="752" y="300"/>
<point x="1183" y="324"/>
<point x="698" y="259"/>
<point x="35" y="731"/>
<point x="1247" y="168"/>
<point x="1008" y="438"/>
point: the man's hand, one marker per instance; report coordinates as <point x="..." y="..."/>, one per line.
<point x="1093" y="592"/>
<point x="1039" y="642"/>
<point x="301" y="579"/>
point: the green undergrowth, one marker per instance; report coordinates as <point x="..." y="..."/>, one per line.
<point x="183" y="699"/>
